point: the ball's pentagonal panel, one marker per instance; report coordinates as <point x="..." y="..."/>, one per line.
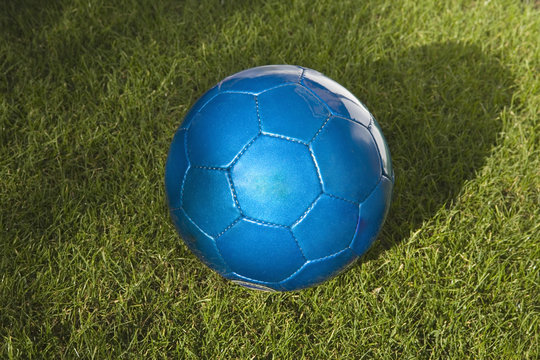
<point x="261" y="78"/>
<point x="175" y="169"/>
<point x="292" y="111"/>
<point x="260" y="252"/>
<point x="339" y="217"/>
<point x="383" y="148"/>
<point x="198" y="242"/>
<point x="372" y="213"/>
<point x="208" y="200"/>
<point x="199" y="104"/>
<point x="339" y="99"/>
<point x="221" y="129"/>
<point x="316" y="271"/>
<point x="348" y="159"/>
<point x="275" y="180"/>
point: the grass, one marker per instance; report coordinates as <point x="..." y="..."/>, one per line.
<point x="91" y="93"/>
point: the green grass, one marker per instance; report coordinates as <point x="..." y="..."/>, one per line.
<point x="91" y="93"/>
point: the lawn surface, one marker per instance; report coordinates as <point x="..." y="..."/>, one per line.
<point x="91" y="93"/>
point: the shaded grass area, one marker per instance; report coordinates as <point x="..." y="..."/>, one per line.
<point x="92" y="92"/>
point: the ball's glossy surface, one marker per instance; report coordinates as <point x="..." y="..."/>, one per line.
<point x="278" y="178"/>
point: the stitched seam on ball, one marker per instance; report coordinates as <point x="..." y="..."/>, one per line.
<point x="387" y="178"/>
<point x="320" y="129"/>
<point x="316" y="169"/>
<point x="298" y="244"/>
<point x="312" y="261"/>
<point x="257" y="282"/>
<point x="288" y="83"/>
<point x="209" y="168"/>
<point x="184" y="177"/>
<point x="301" y="75"/>
<point x="307" y="210"/>
<point x="373" y="188"/>
<point x="355" y="234"/>
<point x="365" y="197"/>
<point x="233" y="190"/>
<point x="244" y="149"/>
<point x="333" y="112"/>
<point x="228" y="227"/>
<point x="217" y="247"/>
<point x="331" y="256"/>
<point x="343" y="199"/>
<point x="206" y="103"/>
<point x="251" y="285"/>
<point x="318" y="97"/>
<point x="283" y="138"/>
<point x="383" y="170"/>
<point x="182" y="187"/>
<point x="266" y="223"/>
<point x="258" y="114"/>
<point x="198" y="111"/>
<point x="227" y="267"/>
<point x="238" y="92"/>
<point x="294" y="273"/>
<point x="350" y="120"/>
<point x="257" y="93"/>
<point x="195" y="224"/>
<point x="186" y="151"/>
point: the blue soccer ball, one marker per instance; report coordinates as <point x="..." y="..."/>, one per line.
<point x="278" y="178"/>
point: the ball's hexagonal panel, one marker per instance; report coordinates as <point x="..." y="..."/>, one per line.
<point x="383" y="149"/>
<point x="372" y="214"/>
<point x="316" y="271"/>
<point x="340" y="100"/>
<point x="208" y="200"/>
<point x="275" y="180"/>
<point x="256" y="80"/>
<point x="199" y="104"/>
<point x="292" y="111"/>
<point x="175" y="169"/>
<point x="348" y="159"/>
<point x="327" y="228"/>
<point x="198" y="242"/>
<point x="221" y="129"/>
<point x="260" y="252"/>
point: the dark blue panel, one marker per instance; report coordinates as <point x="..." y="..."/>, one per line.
<point x="175" y="168"/>
<point x="372" y="214"/>
<point x="207" y="96"/>
<point x="348" y="159"/>
<point x="198" y="242"/>
<point x="221" y="129"/>
<point x="292" y="111"/>
<point x="316" y="271"/>
<point x="258" y="79"/>
<point x="327" y="228"/>
<point x="260" y="252"/>
<point x="340" y="100"/>
<point x="383" y="149"/>
<point x="208" y="200"/>
<point x="275" y="180"/>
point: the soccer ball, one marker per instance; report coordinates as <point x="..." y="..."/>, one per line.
<point x="278" y="178"/>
